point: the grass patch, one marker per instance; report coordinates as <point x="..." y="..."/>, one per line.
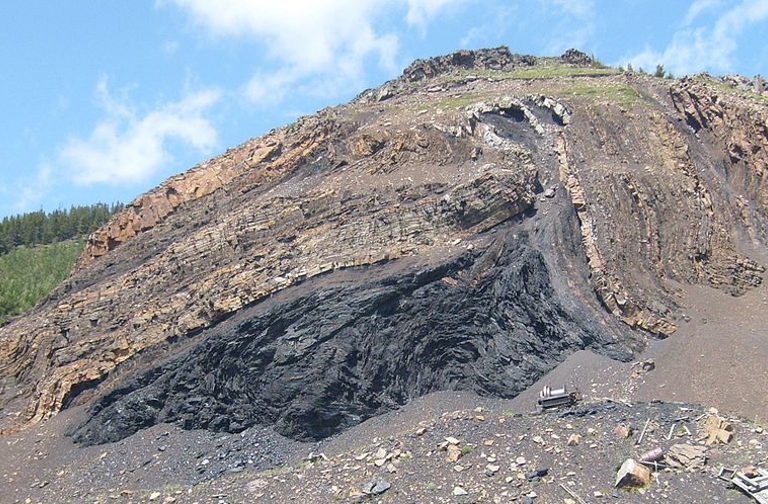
<point x="612" y="92"/>
<point x="548" y="72"/>
<point x="27" y="274"/>
<point x="459" y="101"/>
<point x="541" y="71"/>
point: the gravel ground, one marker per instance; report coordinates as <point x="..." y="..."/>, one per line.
<point x="164" y="464"/>
<point x="502" y="457"/>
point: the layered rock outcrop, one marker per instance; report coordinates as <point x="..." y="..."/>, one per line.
<point x="445" y="231"/>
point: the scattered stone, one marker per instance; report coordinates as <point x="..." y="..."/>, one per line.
<point x="632" y="474"/>
<point x="154" y="496"/>
<point x="538" y="473"/>
<point x="686" y="456"/>
<point x="376" y="486"/>
<point x="717" y="430"/>
<point x="622" y="431"/>
<point x="312" y="457"/>
<point x="454" y="453"/>
<point x="574" y="440"/>
<point x="491" y="469"/>
<point x="457" y="490"/>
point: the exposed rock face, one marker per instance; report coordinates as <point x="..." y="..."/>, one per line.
<point x="484" y="59"/>
<point x="402" y="244"/>
<point x="348" y="349"/>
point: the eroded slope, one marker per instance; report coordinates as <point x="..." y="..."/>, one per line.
<point x="495" y="212"/>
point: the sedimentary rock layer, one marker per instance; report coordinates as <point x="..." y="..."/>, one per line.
<point x="546" y="204"/>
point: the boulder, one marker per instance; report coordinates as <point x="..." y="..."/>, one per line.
<point x="632" y="474"/>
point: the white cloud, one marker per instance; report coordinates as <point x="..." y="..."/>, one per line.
<point x="126" y="147"/>
<point x="317" y="44"/>
<point x="32" y="194"/>
<point x="697" y="7"/>
<point x="704" y="48"/>
<point x="420" y="12"/>
<point x="577" y="8"/>
<point x="573" y="24"/>
<point x="307" y="34"/>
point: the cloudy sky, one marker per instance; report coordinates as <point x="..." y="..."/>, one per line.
<point x="103" y="100"/>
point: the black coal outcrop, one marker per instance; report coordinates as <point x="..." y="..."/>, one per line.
<point x="327" y="354"/>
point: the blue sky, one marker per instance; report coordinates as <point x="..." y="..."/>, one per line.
<point x="104" y="100"/>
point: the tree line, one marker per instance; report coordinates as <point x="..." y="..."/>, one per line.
<point x="40" y="228"/>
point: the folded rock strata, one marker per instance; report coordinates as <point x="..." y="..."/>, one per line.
<point x="400" y="244"/>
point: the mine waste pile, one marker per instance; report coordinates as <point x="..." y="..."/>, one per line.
<point x="364" y="305"/>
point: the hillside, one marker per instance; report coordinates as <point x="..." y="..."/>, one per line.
<point x="29" y="273"/>
<point x="39" y="249"/>
<point x="469" y="226"/>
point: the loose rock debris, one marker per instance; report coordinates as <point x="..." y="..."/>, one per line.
<point x="507" y="458"/>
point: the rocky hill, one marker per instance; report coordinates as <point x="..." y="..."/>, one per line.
<point x="467" y="226"/>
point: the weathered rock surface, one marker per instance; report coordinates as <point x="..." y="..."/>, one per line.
<point x="341" y="266"/>
<point x="482" y="321"/>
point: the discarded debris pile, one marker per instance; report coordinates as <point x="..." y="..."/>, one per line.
<point x="554" y="398"/>
<point x="752" y="480"/>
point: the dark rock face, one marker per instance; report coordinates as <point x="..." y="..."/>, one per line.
<point x="328" y="357"/>
<point x="491" y="59"/>
<point x="576" y="57"/>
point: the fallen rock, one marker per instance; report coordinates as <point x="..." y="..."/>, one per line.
<point x="717" y="430"/>
<point x="457" y="490"/>
<point x="686" y="456"/>
<point x="454" y="453"/>
<point x="376" y="486"/>
<point x="622" y="431"/>
<point x="538" y="473"/>
<point x="632" y="474"/>
<point x="573" y="440"/>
